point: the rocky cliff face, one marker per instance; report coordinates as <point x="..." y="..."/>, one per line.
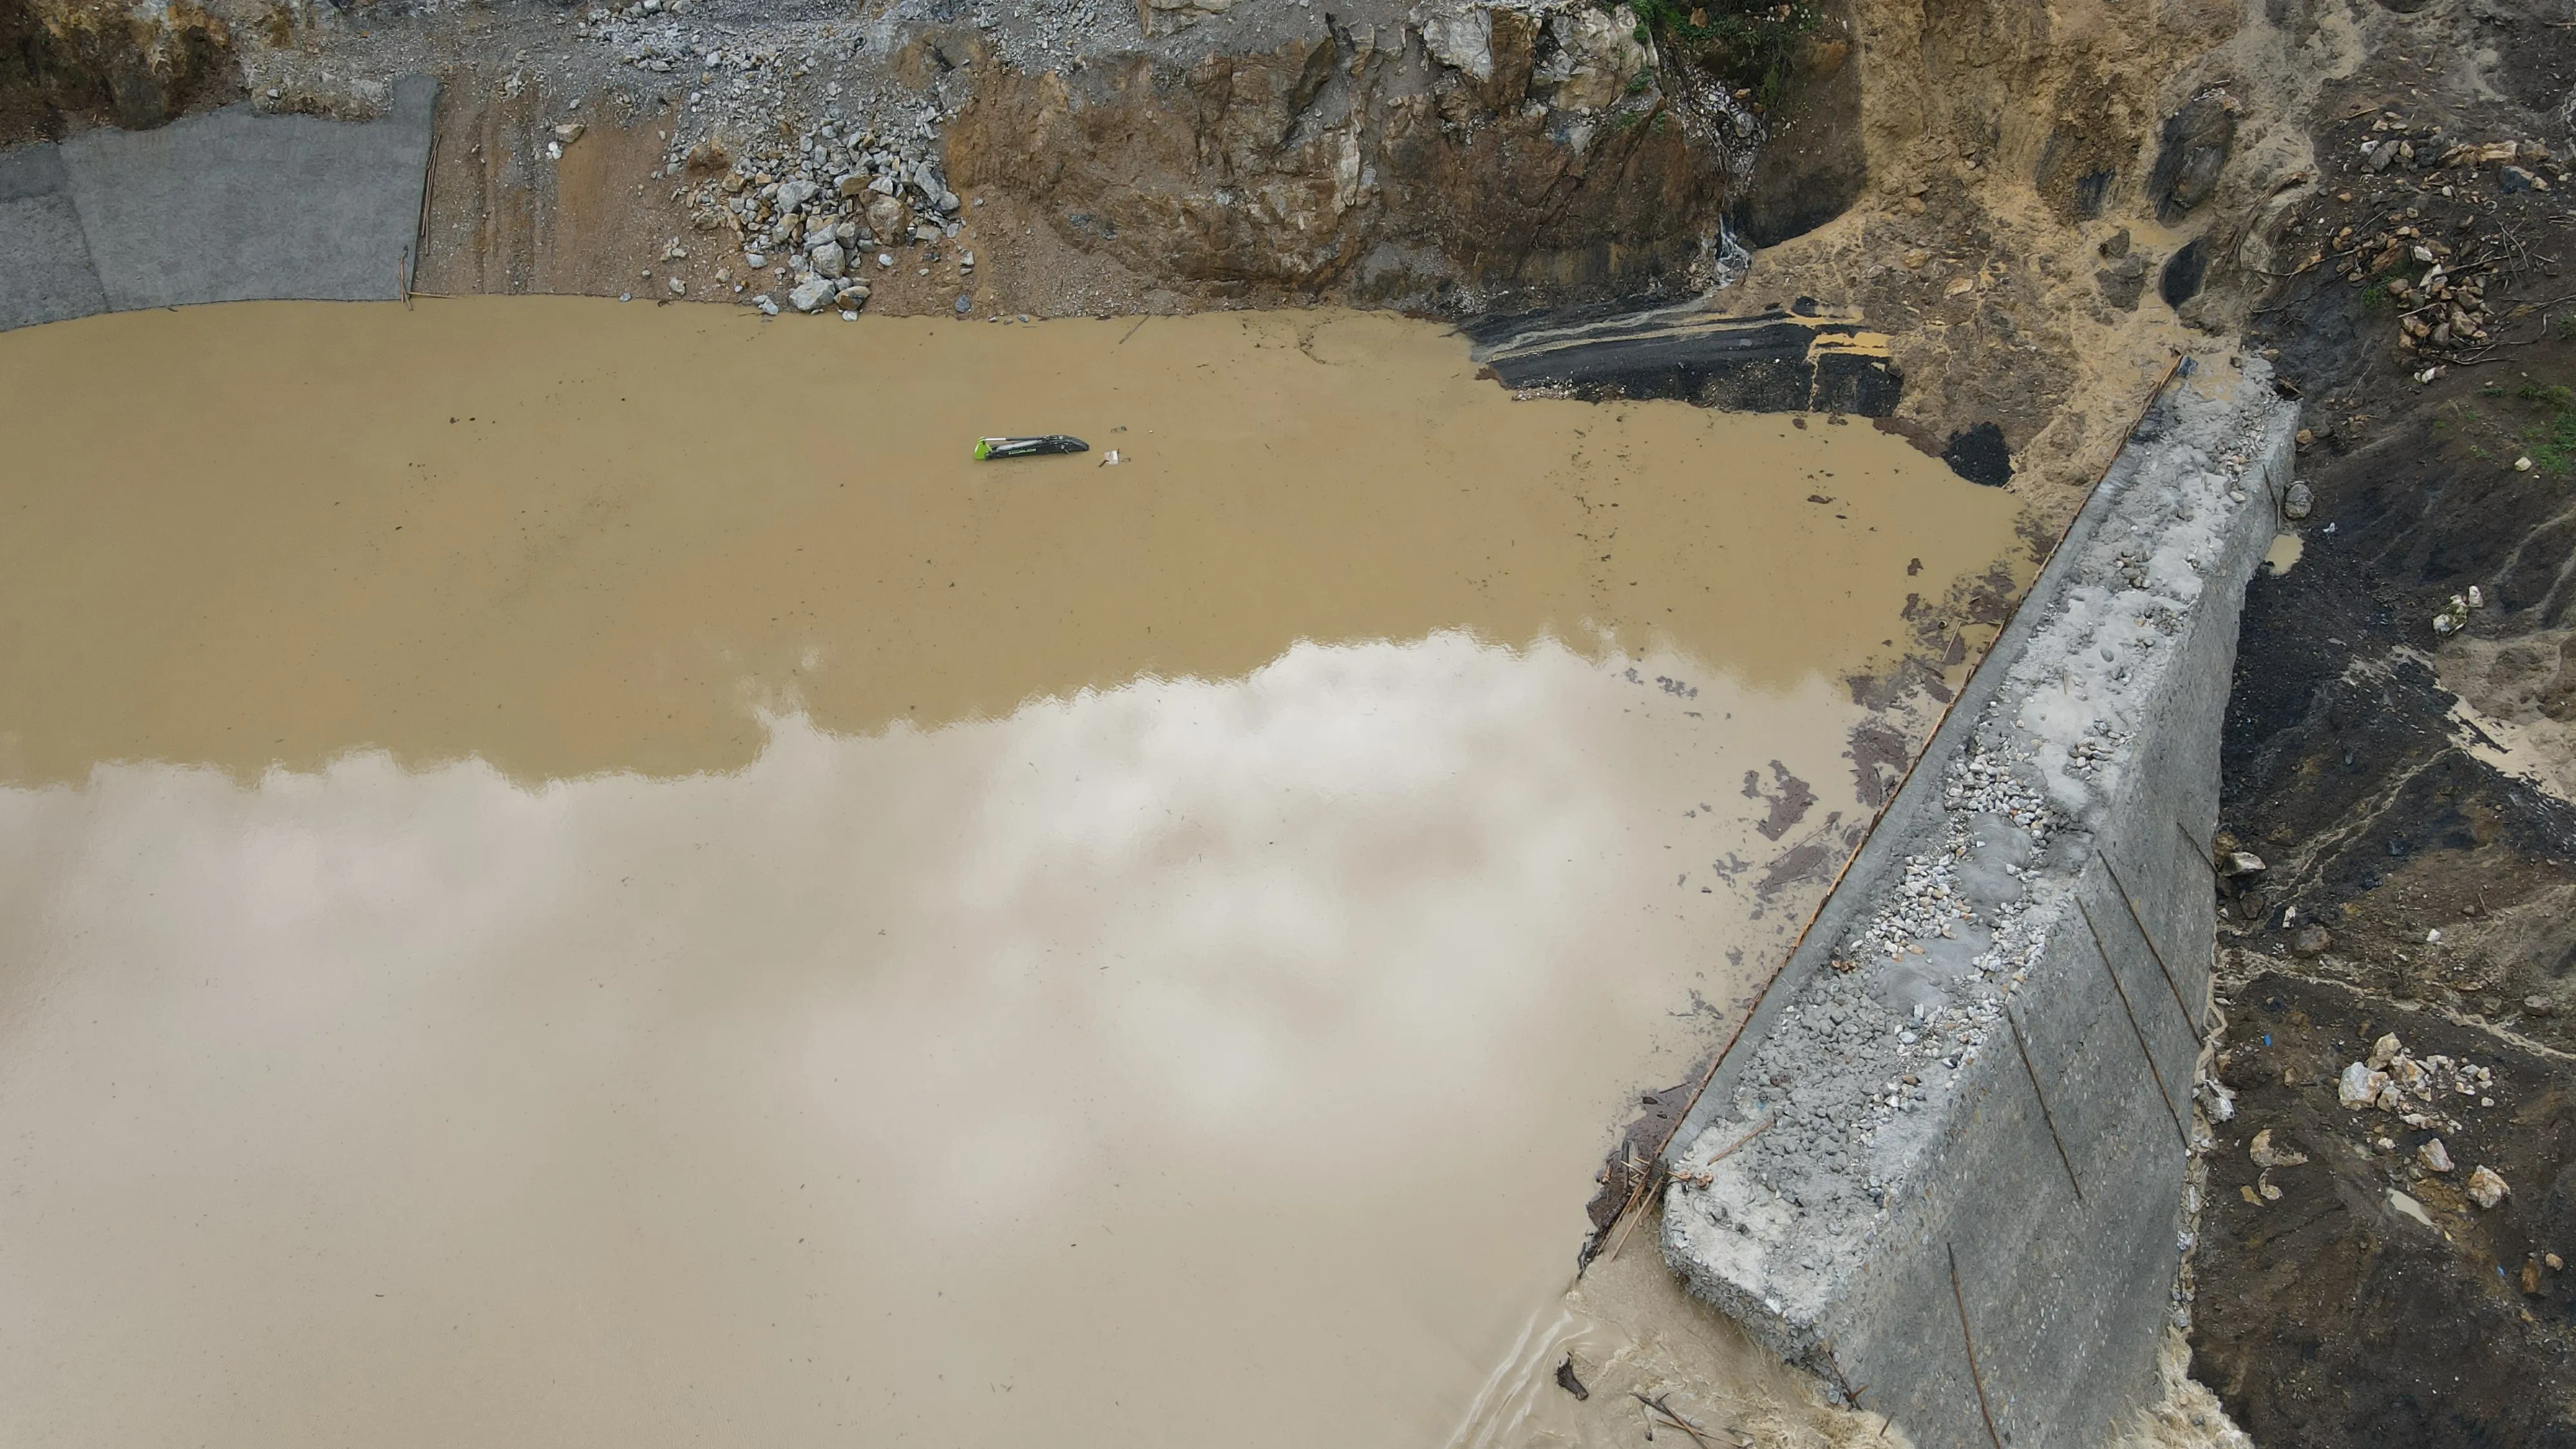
<point x="1955" y="173"/>
<point x="65" y="63"/>
<point x="1482" y="155"/>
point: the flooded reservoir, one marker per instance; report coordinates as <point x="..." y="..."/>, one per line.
<point x="577" y="873"/>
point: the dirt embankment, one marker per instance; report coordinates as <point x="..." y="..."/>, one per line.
<point x="1356" y="163"/>
<point x="2400" y="750"/>
<point x="1950" y="175"/>
<point x="2000" y="188"/>
<point x="2038" y="201"/>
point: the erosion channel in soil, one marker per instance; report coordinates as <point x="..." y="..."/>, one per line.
<point x="579" y="873"/>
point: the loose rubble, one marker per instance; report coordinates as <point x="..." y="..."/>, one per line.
<point x="2413" y="245"/>
<point x="2421" y="1094"/>
<point x="841" y="190"/>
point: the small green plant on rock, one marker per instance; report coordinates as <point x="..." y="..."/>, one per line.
<point x="2550" y="441"/>
<point x="1754" y="46"/>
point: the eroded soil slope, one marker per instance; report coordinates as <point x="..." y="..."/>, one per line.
<point x="2398" y="755"/>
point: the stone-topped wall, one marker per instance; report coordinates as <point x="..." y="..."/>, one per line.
<point x="1961" y="1113"/>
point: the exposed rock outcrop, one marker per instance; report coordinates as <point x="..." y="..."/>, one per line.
<point x="1488" y="152"/>
<point x="70" y="62"/>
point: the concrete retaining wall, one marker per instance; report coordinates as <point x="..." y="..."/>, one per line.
<point x="1968" y="1094"/>
<point x="226" y="207"/>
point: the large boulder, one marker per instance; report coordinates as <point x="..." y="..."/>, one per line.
<point x="2191" y="153"/>
<point x="1597" y="55"/>
<point x="810" y="294"/>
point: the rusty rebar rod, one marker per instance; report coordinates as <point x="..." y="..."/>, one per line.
<point x="2044" y="1114"/>
<point x="2190" y="1018"/>
<point x="1983" y="1408"/>
<point x="2163" y="1093"/>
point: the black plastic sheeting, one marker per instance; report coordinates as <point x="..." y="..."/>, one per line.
<point x="1979" y="455"/>
<point x="1768" y="361"/>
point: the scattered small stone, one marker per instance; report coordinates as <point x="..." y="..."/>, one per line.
<point x="2359" y="1086"/>
<point x="2385" y="1050"/>
<point x="2311" y="941"/>
<point x="2487" y="1187"/>
<point x="2434" y="1156"/>
<point x="2298" y="501"/>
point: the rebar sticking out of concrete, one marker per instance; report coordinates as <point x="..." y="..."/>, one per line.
<point x="2045" y="1115"/>
<point x="2191" y="1019"/>
<point x="2144" y="1050"/>
<point x="1969" y="1340"/>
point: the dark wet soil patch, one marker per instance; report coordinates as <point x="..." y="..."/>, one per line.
<point x="2358" y="1296"/>
<point x="2410" y="885"/>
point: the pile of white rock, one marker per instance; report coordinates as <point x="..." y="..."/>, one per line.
<point x="2417" y="1093"/>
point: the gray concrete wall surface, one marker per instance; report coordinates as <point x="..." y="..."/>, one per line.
<point x="1959" y="1120"/>
<point x="225" y="207"/>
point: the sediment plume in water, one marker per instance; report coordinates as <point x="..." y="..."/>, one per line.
<point x="582" y="874"/>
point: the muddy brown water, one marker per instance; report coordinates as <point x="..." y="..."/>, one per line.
<point x="578" y="873"/>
